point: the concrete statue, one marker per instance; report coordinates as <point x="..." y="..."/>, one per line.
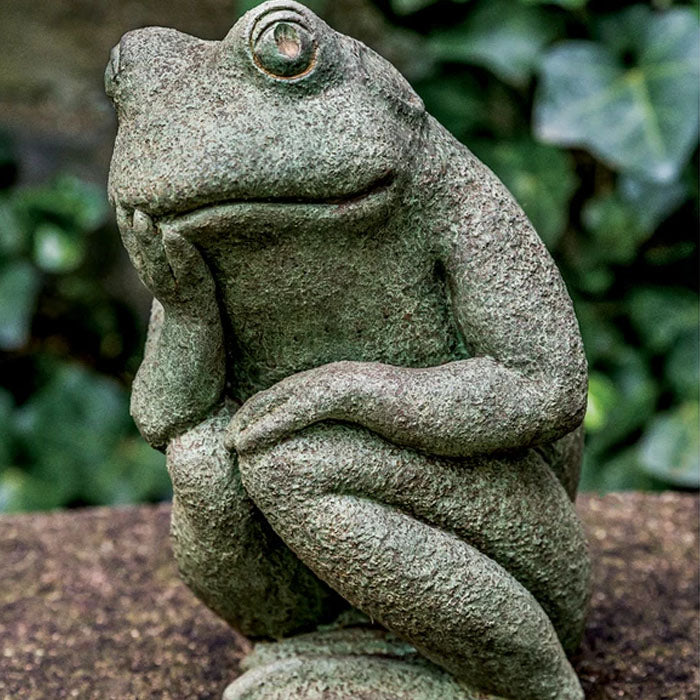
<point x="362" y="365"/>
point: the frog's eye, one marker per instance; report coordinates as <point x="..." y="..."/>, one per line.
<point x="285" y="49"/>
<point x="112" y="73"/>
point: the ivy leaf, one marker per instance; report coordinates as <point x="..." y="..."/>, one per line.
<point x="71" y="427"/>
<point x="541" y="179"/>
<point x="622" y="220"/>
<point x="566" y="4"/>
<point x="407" y="7"/>
<point x="505" y="37"/>
<point x="602" y="398"/>
<point x="683" y="365"/>
<point x="616" y="234"/>
<point x="134" y="473"/>
<point x="629" y="402"/>
<point x="651" y="202"/>
<point x="642" y="117"/>
<point x="661" y="315"/>
<point x="74" y="203"/>
<point x="19" y="289"/>
<point x="13" y="237"/>
<point x="6" y="429"/>
<point x="670" y="448"/>
<point x="456" y="101"/>
<point x="56" y="250"/>
<point x="621" y="472"/>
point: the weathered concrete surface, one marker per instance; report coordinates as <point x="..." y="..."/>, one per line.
<point x="91" y="606"/>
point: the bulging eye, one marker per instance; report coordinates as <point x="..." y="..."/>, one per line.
<point x="285" y="50"/>
<point x="112" y="73"/>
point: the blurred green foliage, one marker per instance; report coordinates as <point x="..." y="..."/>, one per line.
<point x="66" y="437"/>
<point x="588" y="111"/>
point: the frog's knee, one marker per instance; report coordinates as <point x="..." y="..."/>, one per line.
<point x="310" y="464"/>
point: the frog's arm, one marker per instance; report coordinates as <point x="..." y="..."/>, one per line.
<point x="183" y="371"/>
<point x="525" y="382"/>
<point x="181" y="376"/>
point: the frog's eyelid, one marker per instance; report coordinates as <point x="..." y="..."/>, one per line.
<point x="112" y="72"/>
<point x="116" y="55"/>
<point x="274" y="15"/>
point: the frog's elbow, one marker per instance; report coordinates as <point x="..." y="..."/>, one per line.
<point x="155" y="432"/>
<point x="566" y="396"/>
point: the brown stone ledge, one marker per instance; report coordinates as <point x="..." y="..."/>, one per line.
<point x="91" y="607"/>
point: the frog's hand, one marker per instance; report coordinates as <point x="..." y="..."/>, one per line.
<point x="181" y="377"/>
<point x="183" y="372"/>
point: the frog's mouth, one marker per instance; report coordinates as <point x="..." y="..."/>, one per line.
<point x="359" y="204"/>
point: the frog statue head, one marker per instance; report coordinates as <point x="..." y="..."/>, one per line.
<point x="362" y="364"/>
<point x="284" y="109"/>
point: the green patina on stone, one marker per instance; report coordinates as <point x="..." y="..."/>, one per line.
<point x="362" y="364"/>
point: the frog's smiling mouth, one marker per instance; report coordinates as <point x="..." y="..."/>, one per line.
<point x="217" y="213"/>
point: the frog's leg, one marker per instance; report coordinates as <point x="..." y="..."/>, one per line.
<point x="226" y="551"/>
<point x="481" y="563"/>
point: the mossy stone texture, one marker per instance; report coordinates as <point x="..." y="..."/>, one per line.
<point x="362" y="363"/>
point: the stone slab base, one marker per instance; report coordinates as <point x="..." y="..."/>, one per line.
<point x="91" y="606"/>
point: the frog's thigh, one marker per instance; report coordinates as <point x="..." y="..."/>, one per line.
<point x="366" y="517"/>
<point x="226" y="550"/>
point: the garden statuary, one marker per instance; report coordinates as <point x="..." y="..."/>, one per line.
<point x="363" y="367"/>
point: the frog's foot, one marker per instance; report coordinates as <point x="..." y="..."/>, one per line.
<point x="480" y="564"/>
<point x="349" y="664"/>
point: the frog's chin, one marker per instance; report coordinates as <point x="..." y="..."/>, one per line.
<point x="364" y="207"/>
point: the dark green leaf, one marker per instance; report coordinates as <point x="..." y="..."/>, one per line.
<point x="13" y="237"/>
<point x="670" y="448"/>
<point x="74" y="203"/>
<point x="540" y="177"/>
<point x="601" y="337"/>
<point x="457" y="102"/>
<point x="602" y="398"/>
<point x="242" y="6"/>
<point x="19" y="289"/>
<point x="615" y="227"/>
<point x="631" y="403"/>
<point x="70" y="428"/>
<point x="406" y="7"/>
<point x="641" y="118"/>
<point x="683" y="365"/>
<point x="134" y="473"/>
<point x="57" y="250"/>
<point x="503" y="36"/>
<point x="618" y="473"/>
<point x="566" y="4"/>
<point x="660" y="315"/>
<point x="621" y="221"/>
<point x="651" y="202"/>
<point x="6" y="429"/>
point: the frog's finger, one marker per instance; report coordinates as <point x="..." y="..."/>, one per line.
<point x="131" y="243"/>
<point x="186" y="262"/>
<point x="270" y="428"/>
<point x="262" y="403"/>
<point x="155" y="261"/>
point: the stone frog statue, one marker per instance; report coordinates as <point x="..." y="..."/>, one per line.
<point x="362" y="364"/>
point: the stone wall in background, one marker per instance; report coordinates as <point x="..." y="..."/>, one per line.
<point x="54" y="54"/>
